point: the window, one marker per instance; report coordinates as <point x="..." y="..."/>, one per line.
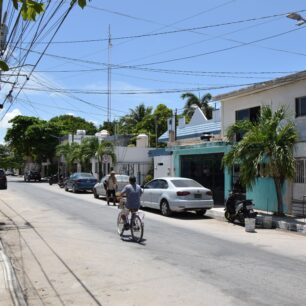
<point x="247" y="114"/>
<point x="300" y="165"/>
<point x="300" y="106"/>
<point x="162" y="184"/>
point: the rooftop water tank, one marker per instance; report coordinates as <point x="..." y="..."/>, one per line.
<point x="81" y="132"/>
<point x="102" y="134"/>
<point x="142" y="141"/>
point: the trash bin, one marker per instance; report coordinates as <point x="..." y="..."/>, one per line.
<point x="267" y="222"/>
<point x="249" y="224"/>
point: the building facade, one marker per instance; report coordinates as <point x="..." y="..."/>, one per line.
<point x="290" y="92"/>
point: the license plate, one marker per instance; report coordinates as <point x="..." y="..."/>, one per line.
<point x="249" y="206"/>
<point x="198" y="196"/>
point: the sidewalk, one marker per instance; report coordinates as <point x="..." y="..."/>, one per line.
<point x="10" y="292"/>
<point x="264" y="219"/>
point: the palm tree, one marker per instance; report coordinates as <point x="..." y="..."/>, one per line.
<point x="105" y="148"/>
<point x="88" y="149"/>
<point x="71" y="153"/>
<point x="201" y="102"/>
<point x="266" y="149"/>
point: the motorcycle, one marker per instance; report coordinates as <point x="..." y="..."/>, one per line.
<point x="237" y="208"/>
<point x="53" y="179"/>
<point x="62" y="181"/>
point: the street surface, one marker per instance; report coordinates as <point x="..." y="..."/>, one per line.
<point x="66" y="251"/>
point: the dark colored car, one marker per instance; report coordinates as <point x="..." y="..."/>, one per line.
<point x="80" y="181"/>
<point x="31" y="175"/>
<point x="3" y="181"/>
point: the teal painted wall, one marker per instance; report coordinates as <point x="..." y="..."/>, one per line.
<point x="263" y="193"/>
<point x="264" y="197"/>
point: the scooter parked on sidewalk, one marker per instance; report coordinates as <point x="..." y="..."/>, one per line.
<point x="237" y="208"/>
<point x="53" y="179"/>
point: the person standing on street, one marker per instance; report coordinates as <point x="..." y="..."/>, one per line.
<point x="111" y="187"/>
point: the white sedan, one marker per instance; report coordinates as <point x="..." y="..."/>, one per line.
<point x="176" y="194"/>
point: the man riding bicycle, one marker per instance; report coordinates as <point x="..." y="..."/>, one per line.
<point x="133" y="193"/>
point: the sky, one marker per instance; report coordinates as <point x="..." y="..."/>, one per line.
<point x="159" y="50"/>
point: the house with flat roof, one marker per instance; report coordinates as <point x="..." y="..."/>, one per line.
<point x="194" y="150"/>
<point x="245" y="103"/>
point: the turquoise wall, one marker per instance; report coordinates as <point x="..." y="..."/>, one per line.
<point x="264" y="197"/>
<point x="263" y="193"/>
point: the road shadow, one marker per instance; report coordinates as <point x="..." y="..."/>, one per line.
<point x="128" y="238"/>
<point x="186" y="215"/>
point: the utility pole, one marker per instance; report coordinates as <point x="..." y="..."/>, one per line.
<point x="155" y="121"/>
<point x="109" y="77"/>
<point x="175" y="127"/>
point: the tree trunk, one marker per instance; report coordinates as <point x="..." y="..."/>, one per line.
<point x="278" y="188"/>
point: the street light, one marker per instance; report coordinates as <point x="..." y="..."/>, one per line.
<point x="297" y="17"/>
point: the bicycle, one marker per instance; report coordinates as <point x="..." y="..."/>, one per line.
<point x="135" y="222"/>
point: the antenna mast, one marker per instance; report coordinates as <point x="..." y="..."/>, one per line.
<point x="109" y="77"/>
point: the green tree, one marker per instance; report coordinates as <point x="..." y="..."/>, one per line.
<point x="71" y="153"/>
<point x="88" y="149"/>
<point x="69" y="124"/>
<point x="105" y="148"/>
<point x="201" y="102"/>
<point x="266" y="149"/>
<point x="32" y="138"/>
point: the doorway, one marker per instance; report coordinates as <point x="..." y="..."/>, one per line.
<point x="206" y="169"/>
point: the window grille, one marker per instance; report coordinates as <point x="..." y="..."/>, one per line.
<point x="300" y="165"/>
<point x="300" y="106"/>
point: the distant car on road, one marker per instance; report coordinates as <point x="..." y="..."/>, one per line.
<point x="32" y="175"/>
<point x="3" y="180"/>
<point x="178" y="194"/>
<point x="99" y="189"/>
<point x="9" y="172"/>
<point x="80" y="181"/>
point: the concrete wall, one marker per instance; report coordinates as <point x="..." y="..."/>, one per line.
<point x="163" y="166"/>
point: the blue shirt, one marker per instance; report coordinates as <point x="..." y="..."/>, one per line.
<point x="133" y="193"/>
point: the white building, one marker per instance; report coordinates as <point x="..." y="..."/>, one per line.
<point x="288" y="91"/>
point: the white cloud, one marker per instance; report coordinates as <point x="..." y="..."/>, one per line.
<point x="4" y="123"/>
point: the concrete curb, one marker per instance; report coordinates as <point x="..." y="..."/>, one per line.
<point x="10" y="280"/>
<point x="263" y="221"/>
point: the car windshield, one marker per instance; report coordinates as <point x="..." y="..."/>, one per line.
<point x="85" y="174"/>
<point x="185" y="183"/>
<point x="122" y="178"/>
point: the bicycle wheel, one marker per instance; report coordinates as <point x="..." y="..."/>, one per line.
<point x="136" y="228"/>
<point x="120" y="224"/>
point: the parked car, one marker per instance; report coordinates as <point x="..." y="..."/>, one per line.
<point x="178" y="194"/>
<point x="9" y="172"/>
<point x="3" y="180"/>
<point x="99" y="189"/>
<point x="80" y="181"/>
<point x="32" y="175"/>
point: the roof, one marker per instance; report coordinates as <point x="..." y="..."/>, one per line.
<point x="159" y="152"/>
<point x="194" y="131"/>
<point x="291" y="78"/>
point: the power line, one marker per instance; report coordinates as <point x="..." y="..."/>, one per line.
<point x="171" y="32"/>
<point x="223" y="49"/>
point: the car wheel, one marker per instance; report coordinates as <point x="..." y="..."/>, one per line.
<point x="201" y="212"/>
<point x="66" y="188"/>
<point x="95" y="193"/>
<point x="164" y="208"/>
<point x="74" y="189"/>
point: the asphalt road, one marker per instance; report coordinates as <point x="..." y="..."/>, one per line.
<point x="67" y="252"/>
